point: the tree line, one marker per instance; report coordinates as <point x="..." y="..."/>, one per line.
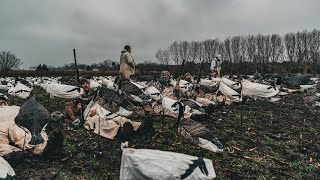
<point x="296" y="52"/>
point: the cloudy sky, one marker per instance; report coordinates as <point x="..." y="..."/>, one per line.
<point x="43" y="31"/>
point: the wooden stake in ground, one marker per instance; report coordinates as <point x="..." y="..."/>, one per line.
<point x="78" y="78"/>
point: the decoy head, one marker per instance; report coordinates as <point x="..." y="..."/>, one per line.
<point x="181" y="109"/>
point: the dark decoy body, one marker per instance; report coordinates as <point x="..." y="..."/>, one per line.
<point x="33" y="116"/>
<point x="193" y="129"/>
<point x="112" y="100"/>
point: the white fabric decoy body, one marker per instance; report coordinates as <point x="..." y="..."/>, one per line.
<point x="20" y="90"/>
<point x="5" y="87"/>
<point x="109" y="83"/>
<point x="167" y="105"/>
<point x="62" y="90"/>
<point x="258" y="90"/>
<point x="94" y="85"/>
<point x="184" y="85"/>
<point x="231" y="84"/>
<point x="230" y="94"/>
<point x="145" y="164"/>
<point x="6" y="171"/>
<point x="153" y="93"/>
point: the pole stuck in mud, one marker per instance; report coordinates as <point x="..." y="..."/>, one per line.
<point x="78" y="78"/>
<point x="181" y="69"/>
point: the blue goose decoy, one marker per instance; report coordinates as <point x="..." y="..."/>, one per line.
<point x="193" y="129"/>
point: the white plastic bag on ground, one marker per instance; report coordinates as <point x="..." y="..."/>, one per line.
<point x="145" y="164"/>
<point x="6" y="171"/>
<point x="258" y="90"/>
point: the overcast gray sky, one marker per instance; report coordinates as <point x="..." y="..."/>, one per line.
<point x="43" y="31"/>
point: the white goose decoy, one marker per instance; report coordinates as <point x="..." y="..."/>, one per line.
<point x="231" y="84"/>
<point x="20" y="90"/>
<point x="109" y="83"/>
<point x="196" y="131"/>
<point x="145" y="164"/>
<point x="167" y="104"/>
<point x="6" y="171"/>
<point x="94" y="85"/>
<point x="153" y="93"/>
<point x="258" y="90"/>
<point x="229" y="93"/>
<point x="62" y="90"/>
<point x="5" y="87"/>
<point x="184" y="85"/>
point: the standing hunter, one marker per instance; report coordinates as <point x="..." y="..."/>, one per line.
<point x="216" y="66"/>
<point x="127" y="65"/>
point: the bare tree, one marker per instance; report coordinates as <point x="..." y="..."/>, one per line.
<point x="263" y="50"/>
<point x="159" y="56"/>
<point x="251" y="42"/>
<point x="243" y="49"/>
<point x="184" y="49"/>
<point x="260" y="48"/>
<point x="277" y="48"/>
<point x="194" y="51"/>
<point x="221" y="49"/>
<point x="174" y="52"/>
<point x="163" y="56"/>
<point x="166" y="56"/>
<point x="202" y="55"/>
<point x="210" y="49"/>
<point x="107" y="63"/>
<point x="236" y="48"/>
<point x="314" y="48"/>
<point x="300" y="53"/>
<point x="267" y="49"/>
<point x="228" y="50"/>
<point x="290" y="43"/>
<point x="9" y="61"/>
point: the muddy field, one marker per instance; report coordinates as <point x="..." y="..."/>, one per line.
<point x="277" y="140"/>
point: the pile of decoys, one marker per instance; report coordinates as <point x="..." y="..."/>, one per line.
<point x="118" y="100"/>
